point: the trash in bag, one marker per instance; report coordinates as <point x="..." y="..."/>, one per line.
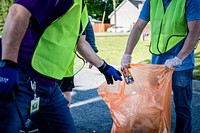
<point x="143" y="106"/>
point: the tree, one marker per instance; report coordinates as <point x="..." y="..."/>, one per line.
<point x="97" y="7"/>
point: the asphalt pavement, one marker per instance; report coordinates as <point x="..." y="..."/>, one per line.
<point x="91" y="114"/>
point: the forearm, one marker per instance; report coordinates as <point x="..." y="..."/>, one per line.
<point x="88" y="53"/>
<point x="191" y="40"/>
<point x="132" y="41"/>
<point x="189" y="45"/>
<point x="14" y="29"/>
<point x="135" y="36"/>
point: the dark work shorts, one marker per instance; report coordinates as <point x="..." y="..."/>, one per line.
<point x="66" y="84"/>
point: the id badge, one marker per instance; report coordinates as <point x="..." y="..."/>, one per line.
<point x="35" y="103"/>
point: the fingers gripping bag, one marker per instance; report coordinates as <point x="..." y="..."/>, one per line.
<point x="144" y="106"/>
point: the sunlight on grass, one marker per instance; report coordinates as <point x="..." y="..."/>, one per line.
<point x="111" y="49"/>
<point x="197" y="62"/>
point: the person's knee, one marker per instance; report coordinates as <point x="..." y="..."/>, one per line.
<point x="67" y="95"/>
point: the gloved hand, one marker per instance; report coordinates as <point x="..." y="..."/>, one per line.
<point x="9" y="78"/>
<point x="126" y="59"/>
<point x="170" y="63"/>
<point x="110" y="73"/>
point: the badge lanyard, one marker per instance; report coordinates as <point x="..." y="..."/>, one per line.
<point x="35" y="103"/>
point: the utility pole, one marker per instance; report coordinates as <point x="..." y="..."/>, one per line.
<point x="114" y="9"/>
<point x="104" y="13"/>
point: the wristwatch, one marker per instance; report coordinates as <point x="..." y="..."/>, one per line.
<point x="8" y="63"/>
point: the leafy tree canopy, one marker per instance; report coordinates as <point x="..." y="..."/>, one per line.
<point x="96" y="8"/>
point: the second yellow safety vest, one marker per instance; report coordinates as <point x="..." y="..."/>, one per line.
<point x="167" y="28"/>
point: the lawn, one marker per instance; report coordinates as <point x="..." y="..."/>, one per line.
<point x="111" y="48"/>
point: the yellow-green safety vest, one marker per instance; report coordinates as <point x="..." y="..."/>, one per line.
<point x="55" y="51"/>
<point x="169" y="28"/>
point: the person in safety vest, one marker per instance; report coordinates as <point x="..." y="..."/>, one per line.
<point x="39" y="42"/>
<point x="67" y="84"/>
<point x="175" y="30"/>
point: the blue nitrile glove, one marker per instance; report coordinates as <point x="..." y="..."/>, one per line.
<point x="110" y="72"/>
<point x="9" y="78"/>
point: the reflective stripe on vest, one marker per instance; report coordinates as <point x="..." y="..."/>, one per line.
<point x="169" y="28"/>
<point x="55" y="52"/>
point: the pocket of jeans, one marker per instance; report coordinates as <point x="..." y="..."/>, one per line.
<point x="23" y="77"/>
<point x="182" y="79"/>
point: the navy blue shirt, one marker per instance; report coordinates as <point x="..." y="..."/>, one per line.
<point x="192" y="13"/>
<point x="90" y="37"/>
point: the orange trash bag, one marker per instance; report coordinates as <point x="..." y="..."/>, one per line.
<point x="143" y="106"/>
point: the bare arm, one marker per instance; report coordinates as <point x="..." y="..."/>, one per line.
<point x="85" y="50"/>
<point x="135" y="35"/>
<point x="88" y="53"/>
<point x="14" y="29"/>
<point x="191" y="40"/>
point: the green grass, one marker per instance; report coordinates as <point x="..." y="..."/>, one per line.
<point x="111" y="49"/>
<point x="197" y="62"/>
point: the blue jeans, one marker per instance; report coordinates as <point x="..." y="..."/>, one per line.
<point x="53" y="116"/>
<point x="182" y="89"/>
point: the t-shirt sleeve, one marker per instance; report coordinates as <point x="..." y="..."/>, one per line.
<point x="84" y="32"/>
<point x="145" y="12"/>
<point x="192" y="10"/>
<point x="39" y="9"/>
